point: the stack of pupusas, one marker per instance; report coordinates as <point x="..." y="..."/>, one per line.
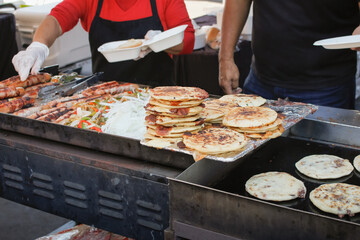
<point x="172" y="111"/>
<point x="255" y="122"/>
<point x="215" y="110"/>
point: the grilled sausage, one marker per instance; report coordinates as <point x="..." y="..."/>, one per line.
<point x="31" y="80"/>
<point x="27" y="111"/>
<point x="110" y="89"/>
<point x="31" y="94"/>
<point x="16" y="104"/>
<point x="65" y="117"/>
<point x="100" y="86"/>
<point x="9" y="81"/>
<point x="39" y="86"/>
<point x="9" y="92"/>
<point x="52" y="116"/>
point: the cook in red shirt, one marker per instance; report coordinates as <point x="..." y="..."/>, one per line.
<point x="108" y="21"/>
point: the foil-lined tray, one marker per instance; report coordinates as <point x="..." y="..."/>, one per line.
<point x="293" y="112"/>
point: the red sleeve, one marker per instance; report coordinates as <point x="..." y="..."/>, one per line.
<point x="172" y="13"/>
<point x="68" y="13"/>
<point x="175" y="14"/>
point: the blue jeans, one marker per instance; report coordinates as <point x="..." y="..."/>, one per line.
<point x="342" y="96"/>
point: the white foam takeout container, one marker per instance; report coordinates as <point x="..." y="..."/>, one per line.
<point x="200" y="38"/>
<point x="158" y="43"/>
<point x="343" y="42"/>
<point x="112" y="54"/>
<point x="167" y="39"/>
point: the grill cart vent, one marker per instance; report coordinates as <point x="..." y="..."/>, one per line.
<point x="12" y="177"/>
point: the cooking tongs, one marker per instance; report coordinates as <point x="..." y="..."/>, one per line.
<point x="53" y="69"/>
<point x="68" y="89"/>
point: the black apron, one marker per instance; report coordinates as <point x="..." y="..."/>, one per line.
<point x="154" y="69"/>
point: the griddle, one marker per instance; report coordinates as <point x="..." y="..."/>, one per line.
<point x="280" y="155"/>
<point x="209" y="198"/>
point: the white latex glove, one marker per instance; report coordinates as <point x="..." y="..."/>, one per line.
<point x="145" y="50"/>
<point x="32" y="58"/>
<point x="151" y="34"/>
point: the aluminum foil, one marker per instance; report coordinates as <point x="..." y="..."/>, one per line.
<point x="293" y="113"/>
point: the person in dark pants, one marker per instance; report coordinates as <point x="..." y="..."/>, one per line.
<point x="108" y="21"/>
<point x="285" y="62"/>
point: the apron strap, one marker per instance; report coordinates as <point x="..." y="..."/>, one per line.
<point x="98" y="9"/>
<point x="153" y="9"/>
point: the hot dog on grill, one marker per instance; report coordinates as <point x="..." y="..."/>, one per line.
<point x="9" y="92"/>
<point x="15" y="104"/>
<point x="30" y="81"/>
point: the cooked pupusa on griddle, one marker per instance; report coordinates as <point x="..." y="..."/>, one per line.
<point x="357" y="163"/>
<point x="337" y="198"/>
<point x="275" y="186"/>
<point x="324" y="166"/>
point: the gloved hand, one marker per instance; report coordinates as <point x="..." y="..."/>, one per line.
<point x="32" y="58"/>
<point x="151" y="34"/>
<point x="145" y="50"/>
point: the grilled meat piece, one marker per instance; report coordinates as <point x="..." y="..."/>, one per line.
<point x="27" y="111"/>
<point x="15" y="104"/>
<point x="113" y="88"/>
<point x="31" y="80"/>
<point x="52" y="116"/>
<point x="9" y="92"/>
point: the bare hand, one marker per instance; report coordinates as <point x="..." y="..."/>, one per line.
<point x="356" y="32"/>
<point x="229" y="77"/>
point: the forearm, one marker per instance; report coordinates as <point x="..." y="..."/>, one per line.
<point x="356" y="32"/>
<point x="176" y="49"/>
<point x="234" y="18"/>
<point x="48" y="31"/>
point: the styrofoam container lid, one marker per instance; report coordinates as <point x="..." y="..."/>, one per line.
<point x="112" y="54"/>
<point x="200" y="38"/>
<point x="167" y="39"/>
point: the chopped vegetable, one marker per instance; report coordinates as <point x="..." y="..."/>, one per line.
<point x="123" y="115"/>
<point x="81" y="123"/>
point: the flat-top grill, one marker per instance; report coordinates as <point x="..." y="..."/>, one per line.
<point x="272" y="157"/>
<point x="122" y="186"/>
<point x="209" y="201"/>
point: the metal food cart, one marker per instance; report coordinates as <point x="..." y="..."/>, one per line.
<point x="119" y="185"/>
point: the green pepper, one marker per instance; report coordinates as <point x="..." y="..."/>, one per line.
<point x="69" y="77"/>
